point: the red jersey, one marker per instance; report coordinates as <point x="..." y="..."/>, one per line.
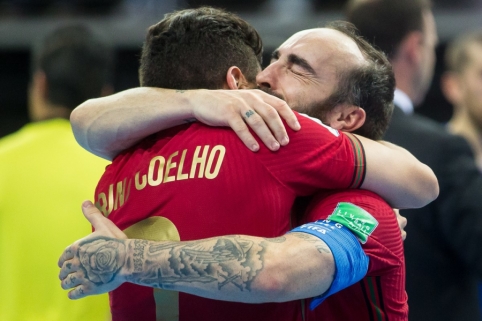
<point x="194" y="181"/>
<point x="381" y="294"/>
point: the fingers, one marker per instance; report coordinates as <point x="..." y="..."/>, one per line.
<point x="265" y="127"/>
<point x="72" y="278"/>
<point x="286" y="113"/>
<point x="67" y="268"/>
<point x="68" y="254"/>
<point x="241" y="129"/>
<point x="100" y="223"/>
<point x="402" y="223"/>
<point x="71" y="281"/>
<point x="78" y="293"/>
<point x="268" y="126"/>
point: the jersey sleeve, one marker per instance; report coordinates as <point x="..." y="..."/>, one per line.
<point x="369" y="217"/>
<point x="317" y="157"/>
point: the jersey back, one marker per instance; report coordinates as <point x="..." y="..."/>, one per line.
<point x="194" y="182"/>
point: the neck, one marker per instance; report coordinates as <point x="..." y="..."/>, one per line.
<point x="404" y="80"/>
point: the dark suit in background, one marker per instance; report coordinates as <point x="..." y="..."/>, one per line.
<point x="443" y="248"/>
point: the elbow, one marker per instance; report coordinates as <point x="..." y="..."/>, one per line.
<point x="434" y="188"/>
<point x="430" y="190"/>
<point x="274" y="286"/>
<point x="79" y="121"/>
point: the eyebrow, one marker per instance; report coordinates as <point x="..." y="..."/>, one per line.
<point x="296" y="60"/>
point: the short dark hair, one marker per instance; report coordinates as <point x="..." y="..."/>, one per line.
<point x="385" y="23"/>
<point x="194" y="48"/>
<point x="457" y="55"/>
<point x="370" y="85"/>
<point x="76" y="63"/>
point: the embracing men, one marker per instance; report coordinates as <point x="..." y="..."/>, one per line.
<point x="177" y="191"/>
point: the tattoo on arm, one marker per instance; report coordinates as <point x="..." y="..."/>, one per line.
<point x="224" y="262"/>
<point x="138" y="255"/>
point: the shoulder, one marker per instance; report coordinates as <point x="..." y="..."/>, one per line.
<point x="427" y="139"/>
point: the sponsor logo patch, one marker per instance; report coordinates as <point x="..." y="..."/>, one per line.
<point x="356" y="219"/>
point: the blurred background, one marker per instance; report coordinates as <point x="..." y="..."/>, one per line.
<point x="123" y="23"/>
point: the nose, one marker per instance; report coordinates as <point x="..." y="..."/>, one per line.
<point x="265" y="78"/>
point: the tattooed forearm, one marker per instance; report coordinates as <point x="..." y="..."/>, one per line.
<point x="226" y="261"/>
<point x="138" y="255"/>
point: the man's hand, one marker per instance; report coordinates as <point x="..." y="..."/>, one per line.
<point x="92" y="265"/>
<point x="238" y="109"/>
<point x="402" y="222"/>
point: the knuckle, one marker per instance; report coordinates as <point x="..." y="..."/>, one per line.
<point x="256" y="121"/>
<point x="271" y="113"/>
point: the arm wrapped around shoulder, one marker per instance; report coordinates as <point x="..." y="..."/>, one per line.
<point x="351" y="262"/>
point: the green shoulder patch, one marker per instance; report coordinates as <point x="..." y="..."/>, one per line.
<point x="356" y="219"/>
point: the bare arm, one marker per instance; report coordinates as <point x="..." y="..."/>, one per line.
<point x="291" y="267"/>
<point x="397" y="176"/>
<point x="106" y="126"/>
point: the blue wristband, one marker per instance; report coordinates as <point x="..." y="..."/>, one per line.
<point x="351" y="262"/>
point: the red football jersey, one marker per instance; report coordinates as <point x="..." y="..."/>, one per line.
<point x="381" y="294"/>
<point x="194" y="181"/>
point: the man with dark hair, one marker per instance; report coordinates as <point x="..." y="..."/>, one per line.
<point x="443" y="255"/>
<point x="43" y="176"/>
<point x="257" y="285"/>
<point x="203" y="65"/>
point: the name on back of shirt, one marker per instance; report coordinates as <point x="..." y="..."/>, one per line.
<point x="205" y="164"/>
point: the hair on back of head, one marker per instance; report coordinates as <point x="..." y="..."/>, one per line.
<point x="194" y="48"/>
<point x="369" y="85"/>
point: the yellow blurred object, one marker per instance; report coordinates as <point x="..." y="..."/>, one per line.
<point x="44" y="177"/>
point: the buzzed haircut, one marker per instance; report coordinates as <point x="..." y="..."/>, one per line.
<point x="457" y="55"/>
<point x="76" y="62"/>
<point x="194" y="48"/>
<point x="385" y="23"/>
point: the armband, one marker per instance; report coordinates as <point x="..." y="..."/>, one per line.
<point x="351" y="262"/>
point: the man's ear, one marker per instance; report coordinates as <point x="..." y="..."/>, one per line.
<point x="347" y="118"/>
<point x="412" y="47"/>
<point x="235" y="79"/>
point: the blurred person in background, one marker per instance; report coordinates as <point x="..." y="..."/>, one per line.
<point x="462" y="86"/>
<point x="442" y="250"/>
<point x="44" y="175"/>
